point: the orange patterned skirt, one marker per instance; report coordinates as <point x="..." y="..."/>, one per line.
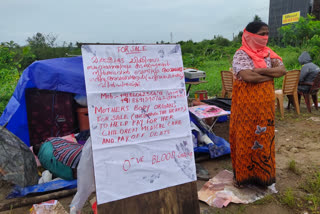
<point x="252" y="133"/>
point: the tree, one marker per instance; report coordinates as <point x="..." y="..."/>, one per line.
<point x="221" y="41"/>
<point x="11" y="45"/>
<point x="44" y="46"/>
<point x="9" y="75"/>
<point x="257" y="18"/>
<point x="300" y="32"/>
<point x="42" y="40"/>
<point x="37" y="41"/>
<point x="238" y="38"/>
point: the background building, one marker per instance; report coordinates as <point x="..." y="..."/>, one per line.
<point x="278" y="8"/>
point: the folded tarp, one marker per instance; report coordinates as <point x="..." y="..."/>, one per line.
<point x="61" y="74"/>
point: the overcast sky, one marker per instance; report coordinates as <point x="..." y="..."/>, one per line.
<point x="124" y="21"/>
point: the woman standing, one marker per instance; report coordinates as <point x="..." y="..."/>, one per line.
<point x="253" y="107"/>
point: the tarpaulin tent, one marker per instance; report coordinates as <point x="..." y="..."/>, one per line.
<point x="61" y="74"/>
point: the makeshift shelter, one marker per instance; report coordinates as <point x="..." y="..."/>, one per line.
<point x="61" y="74"/>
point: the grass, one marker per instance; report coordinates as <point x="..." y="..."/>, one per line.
<point x="312" y="188"/>
<point x="212" y="69"/>
<point x="241" y="209"/>
<point x="308" y="199"/>
<point x="312" y="184"/>
<point x="288" y="198"/>
<point x="228" y="166"/>
<point x="265" y="200"/>
<point x="313" y="202"/>
<point x="293" y="167"/>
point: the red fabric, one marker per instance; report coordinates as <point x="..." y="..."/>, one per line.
<point x="94" y="208"/>
<point x="255" y="46"/>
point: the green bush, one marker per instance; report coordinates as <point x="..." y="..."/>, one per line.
<point x="9" y="75"/>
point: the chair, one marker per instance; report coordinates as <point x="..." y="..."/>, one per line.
<point x="315" y="86"/>
<point x="289" y="88"/>
<point x="227" y="81"/>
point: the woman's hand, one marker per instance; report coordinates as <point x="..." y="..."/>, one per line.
<point x="253" y="77"/>
<point x="271" y="72"/>
<point x="260" y="71"/>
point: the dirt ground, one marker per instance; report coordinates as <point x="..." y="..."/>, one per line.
<point x="297" y="141"/>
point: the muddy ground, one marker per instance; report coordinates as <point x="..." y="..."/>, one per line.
<point x="297" y="141"/>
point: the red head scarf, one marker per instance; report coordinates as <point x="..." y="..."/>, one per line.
<point x="256" y="47"/>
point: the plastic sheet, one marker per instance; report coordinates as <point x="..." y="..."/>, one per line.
<point x="45" y="187"/>
<point x="219" y="191"/>
<point x="86" y="182"/>
<point x="17" y="163"/>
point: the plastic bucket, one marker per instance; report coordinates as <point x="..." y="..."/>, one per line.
<point x="83" y="119"/>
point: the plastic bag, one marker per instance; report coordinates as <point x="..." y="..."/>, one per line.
<point x="86" y="182"/>
<point x="81" y="99"/>
<point x="48" y="207"/>
<point x="46" y="177"/>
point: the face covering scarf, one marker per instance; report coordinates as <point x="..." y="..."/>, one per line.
<point x="256" y="47"/>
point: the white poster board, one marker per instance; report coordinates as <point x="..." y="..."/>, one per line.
<point x="139" y="121"/>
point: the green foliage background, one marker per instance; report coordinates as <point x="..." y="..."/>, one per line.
<point x="211" y="56"/>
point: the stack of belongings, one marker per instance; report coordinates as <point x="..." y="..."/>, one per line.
<point x="61" y="155"/>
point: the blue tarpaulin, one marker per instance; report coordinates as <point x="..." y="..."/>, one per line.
<point x="61" y="74"/>
<point x="219" y="147"/>
<point x="45" y="187"/>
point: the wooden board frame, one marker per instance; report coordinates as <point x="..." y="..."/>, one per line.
<point x="180" y="199"/>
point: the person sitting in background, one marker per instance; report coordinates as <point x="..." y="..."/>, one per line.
<point x="59" y="156"/>
<point x="308" y="71"/>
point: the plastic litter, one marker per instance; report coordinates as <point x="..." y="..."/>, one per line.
<point x="46" y="177"/>
<point x="48" y="207"/>
<point x="81" y="99"/>
<point x="219" y="191"/>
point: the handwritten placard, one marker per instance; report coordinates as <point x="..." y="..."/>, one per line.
<point x="139" y="122"/>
